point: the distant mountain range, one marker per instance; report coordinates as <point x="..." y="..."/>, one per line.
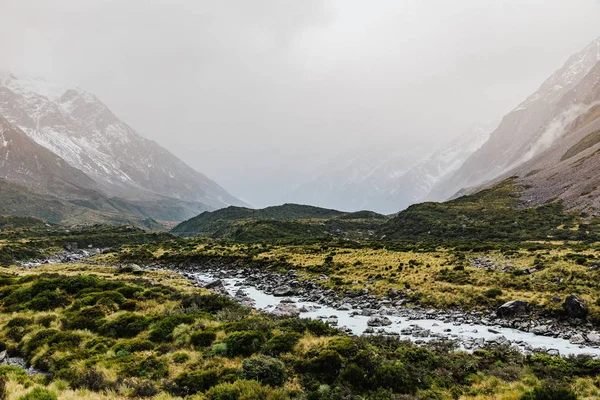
<point x="388" y="180"/>
<point x="65" y="143"/>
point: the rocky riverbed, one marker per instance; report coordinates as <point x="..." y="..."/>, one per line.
<point x="359" y="312"/>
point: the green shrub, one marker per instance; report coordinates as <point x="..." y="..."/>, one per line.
<point x="152" y="368"/>
<point x="493" y="293"/>
<point x="283" y="343"/>
<point x="180" y="358"/>
<point x="189" y="383"/>
<point x="244" y="343"/>
<point x="48" y="300"/>
<point x="19" y="322"/>
<point x="245" y="390"/>
<point x="39" y="393"/>
<point x="549" y="393"/>
<point x="133" y="345"/>
<point x="125" y="326"/>
<point x="162" y="330"/>
<point x="87" y="318"/>
<point x="264" y="369"/>
<point x="219" y="349"/>
<point x="203" y="338"/>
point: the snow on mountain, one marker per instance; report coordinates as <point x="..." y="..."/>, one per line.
<point x="358" y="180"/>
<point x="525" y="125"/>
<point x="416" y="184"/>
<point x="388" y="179"/>
<point x="80" y="129"/>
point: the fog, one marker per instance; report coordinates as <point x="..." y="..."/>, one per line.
<point x="258" y="95"/>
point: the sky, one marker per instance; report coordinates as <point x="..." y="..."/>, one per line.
<point x="260" y="94"/>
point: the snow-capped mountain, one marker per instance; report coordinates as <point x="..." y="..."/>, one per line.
<point x="416" y="184"/>
<point x="530" y="128"/>
<point x="388" y="179"/>
<point x="82" y="131"/>
<point x="359" y="180"/>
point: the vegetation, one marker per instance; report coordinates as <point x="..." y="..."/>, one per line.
<point x="101" y="332"/>
<point x="289" y="222"/>
<point x="251" y="356"/>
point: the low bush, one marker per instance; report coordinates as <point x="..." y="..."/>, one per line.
<point x="244" y="343"/>
<point x="125" y="326"/>
<point x="203" y="338"/>
<point x="162" y="330"/>
<point x="283" y="343"/>
<point x="39" y="393"/>
<point x="266" y="370"/>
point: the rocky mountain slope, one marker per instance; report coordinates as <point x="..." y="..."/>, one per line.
<point x="532" y="127"/>
<point x="75" y="125"/>
<point x="110" y="156"/>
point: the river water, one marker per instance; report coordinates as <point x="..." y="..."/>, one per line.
<point x="469" y="336"/>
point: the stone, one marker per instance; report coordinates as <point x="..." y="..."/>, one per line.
<point x="71" y="246"/>
<point x="379" y="320"/>
<point x="593" y="337"/>
<point x="512" y="308"/>
<point x="286" y="310"/>
<point x="283" y="290"/>
<point x="540" y="330"/>
<point x="577" y="339"/>
<point x="575" y="307"/>
<point x="553" y="352"/>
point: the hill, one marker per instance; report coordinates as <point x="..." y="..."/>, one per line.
<point x="288" y="221"/>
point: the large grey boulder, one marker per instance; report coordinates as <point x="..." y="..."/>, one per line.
<point x="379" y="320"/>
<point x="286" y="310"/>
<point x="575" y="307"/>
<point x="283" y="290"/>
<point x="512" y="309"/>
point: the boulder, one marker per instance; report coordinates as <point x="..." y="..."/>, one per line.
<point x="286" y="310"/>
<point x="575" y="307"/>
<point x="512" y="308"/>
<point x="593" y="337"/>
<point x="378" y="320"/>
<point x="577" y="339"/>
<point x="216" y="284"/>
<point x="283" y="290"/>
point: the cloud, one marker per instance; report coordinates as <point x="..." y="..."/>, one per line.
<point x="257" y="94"/>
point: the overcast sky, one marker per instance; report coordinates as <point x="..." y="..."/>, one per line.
<point x="256" y="93"/>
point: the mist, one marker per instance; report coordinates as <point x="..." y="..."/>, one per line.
<point x="261" y="95"/>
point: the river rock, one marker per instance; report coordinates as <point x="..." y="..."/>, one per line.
<point x="214" y="284"/>
<point x="577" y="339"/>
<point x="379" y="320"/>
<point x="282" y="291"/>
<point x="540" y="330"/>
<point x="512" y="308"/>
<point x="286" y="310"/>
<point x="593" y="337"/>
<point x="575" y="307"/>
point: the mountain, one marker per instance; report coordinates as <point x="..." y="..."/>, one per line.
<point x="25" y="162"/>
<point x="82" y="131"/>
<point x="417" y="183"/>
<point x="531" y="128"/>
<point x="358" y="180"/>
<point x="567" y="169"/>
<point x="388" y="179"/>
<point x="278" y="222"/>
